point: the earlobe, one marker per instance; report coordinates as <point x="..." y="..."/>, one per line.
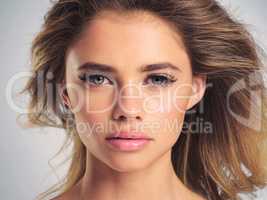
<point x="198" y="90"/>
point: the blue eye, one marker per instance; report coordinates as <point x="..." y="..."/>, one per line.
<point x="95" y="79"/>
<point x="156" y="79"/>
<point x="161" y="80"/>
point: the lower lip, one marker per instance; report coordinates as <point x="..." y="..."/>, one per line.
<point x="128" y="144"/>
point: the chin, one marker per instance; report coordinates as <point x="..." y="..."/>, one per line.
<point x="128" y="163"/>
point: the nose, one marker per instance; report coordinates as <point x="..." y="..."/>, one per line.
<point x="129" y="104"/>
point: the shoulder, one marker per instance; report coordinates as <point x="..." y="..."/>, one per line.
<point x="196" y="196"/>
<point x="61" y="197"/>
<point x="71" y="194"/>
<point x="64" y="196"/>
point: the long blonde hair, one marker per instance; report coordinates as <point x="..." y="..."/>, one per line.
<point x="217" y="166"/>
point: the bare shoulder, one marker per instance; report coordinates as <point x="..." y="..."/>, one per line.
<point x="71" y="194"/>
<point x="64" y="196"/>
<point x="61" y="197"/>
<point x="198" y="197"/>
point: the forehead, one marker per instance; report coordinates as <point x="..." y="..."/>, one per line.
<point x="134" y="26"/>
<point x="134" y="38"/>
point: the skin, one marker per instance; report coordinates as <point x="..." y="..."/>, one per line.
<point x="127" y="42"/>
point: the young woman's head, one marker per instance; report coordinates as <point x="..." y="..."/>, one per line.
<point x="182" y="72"/>
<point x="142" y="88"/>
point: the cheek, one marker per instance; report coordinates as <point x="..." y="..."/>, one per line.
<point x="91" y="105"/>
<point x="169" y="118"/>
<point x="170" y="103"/>
<point x="91" y="129"/>
<point x="98" y="100"/>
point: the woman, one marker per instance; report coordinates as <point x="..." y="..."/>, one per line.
<point x="160" y="99"/>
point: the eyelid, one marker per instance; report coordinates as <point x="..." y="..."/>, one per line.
<point x="169" y="79"/>
<point x="106" y="75"/>
<point x="83" y="77"/>
<point x="169" y="76"/>
<point x="97" y="73"/>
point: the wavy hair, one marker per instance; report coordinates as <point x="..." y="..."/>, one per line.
<point x="217" y="166"/>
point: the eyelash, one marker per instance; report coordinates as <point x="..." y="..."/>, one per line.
<point x="169" y="79"/>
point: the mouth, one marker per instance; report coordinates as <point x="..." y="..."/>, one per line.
<point x="126" y="144"/>
<point x="120" y="138"/>
<point x="128" y="136"/>
<point x="125" y="141"/>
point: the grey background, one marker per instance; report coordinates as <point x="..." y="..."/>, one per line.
<point x="24" y="154"/>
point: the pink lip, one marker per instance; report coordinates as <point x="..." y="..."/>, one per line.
<point x="128" y="144"/>
<point x="128" y="135"/>
<point x="125" y="141"/>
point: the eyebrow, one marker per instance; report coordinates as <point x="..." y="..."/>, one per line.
<point x="111" y="69"/>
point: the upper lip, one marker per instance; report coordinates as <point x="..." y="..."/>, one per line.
<point x="130" y="135"/>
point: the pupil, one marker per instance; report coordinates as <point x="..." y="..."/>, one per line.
<point x="158" y="79"/>
<point x="98" y="79"/>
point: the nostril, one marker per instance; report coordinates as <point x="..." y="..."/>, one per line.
<point x="122" y="117"/>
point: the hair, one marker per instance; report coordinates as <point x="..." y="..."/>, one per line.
<point x="217" y="166"/>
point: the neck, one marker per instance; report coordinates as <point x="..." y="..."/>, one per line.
<point x="156" y="181"/>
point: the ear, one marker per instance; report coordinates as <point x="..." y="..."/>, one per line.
<point x="198" y="90"/>
<point x="64" y="94"/>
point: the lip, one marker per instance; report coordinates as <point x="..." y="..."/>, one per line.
<point x="128" y="141"/>
<point x="128" y="144"/>
<point x="128" y="135"/>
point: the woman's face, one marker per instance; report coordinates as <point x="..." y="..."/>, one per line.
<point x="145" y="87"/>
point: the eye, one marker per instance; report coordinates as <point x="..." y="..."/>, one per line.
<point x="95" y="79"/>
<point x="161" y="80"/>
